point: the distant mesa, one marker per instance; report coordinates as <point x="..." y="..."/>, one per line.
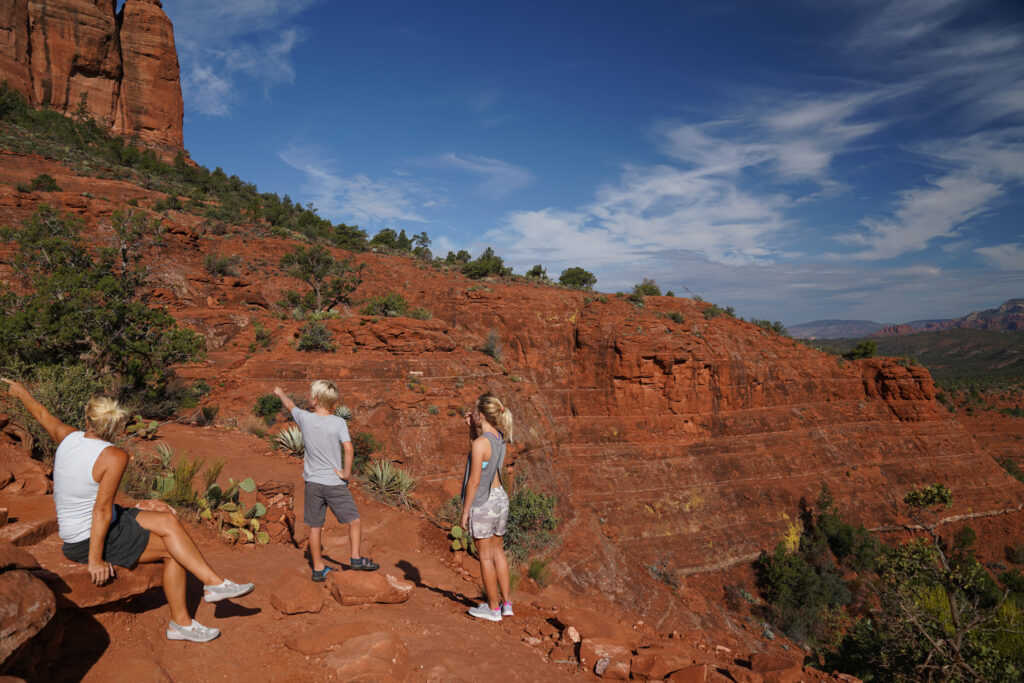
<point x="121" y="65"/>
<point x="1009" y="316"/>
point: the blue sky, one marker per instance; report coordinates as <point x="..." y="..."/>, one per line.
<point x="861" y="159"/>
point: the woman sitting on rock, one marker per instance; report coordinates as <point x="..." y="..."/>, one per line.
<point x="485" y="503"/>
<point x="87" y="471"/>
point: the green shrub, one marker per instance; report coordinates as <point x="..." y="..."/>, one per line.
<point x="262" y="337"/>
<point x="538" y="571"/>
<point x="450" y="511"/>
<point x="390" y="305"/>
<point x="577" y="278"/>
<point x="63" y="390"/>
<point x="647" y="287"/>
<point x="865" y="349"/>
<point x="1015" y="553"/>
<point x="714" y="310"/>
<point x="420" y="313"/>
<point x="268" y="406"/>
<point x="492" y="345"/>
<point x="775" y="327"/>
<point x="364" y="445"/>
<point x="222" y="264"/>
<point x="670" y="293"/>
<point x="531" y="522"/>
<point x="538" y="272"/>
<point x="486" y="265"/>
<point x="78" y="302"/>
<point x="677" y="317"/>
<point x="458" y="259"/>
<point x="331" y="281"/>
<point x="314" y="336"/>
<point x="44" y="182"/>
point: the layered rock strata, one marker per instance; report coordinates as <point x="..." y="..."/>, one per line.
<point x="81" y="57"/>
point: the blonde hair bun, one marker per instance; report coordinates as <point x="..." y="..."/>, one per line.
<point x="105" y="416"/>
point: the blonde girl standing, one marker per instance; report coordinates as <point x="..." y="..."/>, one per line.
<point x="485" y="503"/>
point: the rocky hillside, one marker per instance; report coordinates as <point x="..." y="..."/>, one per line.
<point x="121" y="66"/>
<point x="685" y="445"/>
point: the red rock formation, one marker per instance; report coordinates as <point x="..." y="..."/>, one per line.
<point x="150" y="108"/>
<point x="894" y="331"/>
<point x="123" y="68"/>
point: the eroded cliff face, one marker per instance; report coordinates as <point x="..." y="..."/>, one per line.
<point x="124" y="65"/>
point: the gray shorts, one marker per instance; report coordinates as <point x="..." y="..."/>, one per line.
<point x="125" y="542"/>
<point x="321" y="496"/>
<point x="491" y="518"/>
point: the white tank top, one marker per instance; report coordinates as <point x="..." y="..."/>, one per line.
<point x="74" y="490"/>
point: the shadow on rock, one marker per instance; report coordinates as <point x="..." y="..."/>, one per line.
<point x="412" y="573"/>
<point x="79" y="639"/>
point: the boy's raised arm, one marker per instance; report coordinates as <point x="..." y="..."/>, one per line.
<point x="286" y="401"/>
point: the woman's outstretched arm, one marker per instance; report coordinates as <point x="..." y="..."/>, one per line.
<point x="54" y="427"/>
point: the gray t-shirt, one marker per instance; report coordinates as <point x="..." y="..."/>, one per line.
<point x="323" y="436"/>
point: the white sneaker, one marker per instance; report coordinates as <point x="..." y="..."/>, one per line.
<point x="194" y="632"/>
<point x="506" y="609"/>
<point x="483" y="611"/>
<point x="226" y="591"/>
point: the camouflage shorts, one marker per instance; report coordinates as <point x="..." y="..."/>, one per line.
<point x="491" y="518"/>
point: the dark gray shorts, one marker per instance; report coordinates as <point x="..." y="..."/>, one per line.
<point x="321" y="496"/>
<point x="125" y="542"/>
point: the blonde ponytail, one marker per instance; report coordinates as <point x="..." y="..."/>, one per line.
<point x="497" y="414"/>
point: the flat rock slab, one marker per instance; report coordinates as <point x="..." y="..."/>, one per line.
<point x="591" y="624"/>
<point x="363" y="588"/>
<point x="294" y="592"/>
<point x="378" y="656"/>
<point x="26" y="606"/>
<point x="321" y="640"/>
<point x="71" y="583"/>
<point x="606" y="657"/>
<point x="28" y="532"/>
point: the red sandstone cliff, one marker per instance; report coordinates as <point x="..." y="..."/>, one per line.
<point x="125" y="66"/>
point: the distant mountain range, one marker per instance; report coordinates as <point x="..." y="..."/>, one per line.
<point x="1009" y="316"/>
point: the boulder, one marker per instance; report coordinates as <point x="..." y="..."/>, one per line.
<point x="13" y="557"/>
<point x="656" y="662"/>
<point x="363" y="588"/>
<point x="591" y="624"/>
<point x="742" y="674"/>
<point x="776" y="668"/>
<point x="697" y="673"/>
<point x="378" y="656"/>
<point x="317" y="640"/>
<point x="71" y="583"/>
<point x="26" y="606"/>
<point x="607" y="658"/>
<point x="293" y="593"/>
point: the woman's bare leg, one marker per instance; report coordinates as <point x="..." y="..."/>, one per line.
<point x="485" y="546"/>
<point x="501" y="568"/>
<point x="174" y="578"/>
<point x="169" y="539"/>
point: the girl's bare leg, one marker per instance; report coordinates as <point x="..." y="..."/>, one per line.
<point x="501" y="568"/>
<point x="488" y="571"/>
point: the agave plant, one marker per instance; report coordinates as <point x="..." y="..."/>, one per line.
<point x="291" y="440"/>
<point x="344" y="412"/>
<point x="390" y="483"/>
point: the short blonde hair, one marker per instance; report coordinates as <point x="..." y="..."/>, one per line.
<point x="105" y="417"/>
<point x="325" y="393"/>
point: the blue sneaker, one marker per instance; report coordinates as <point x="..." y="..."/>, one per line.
<point x="364" y="564"/>
<point x="321" y="575"/>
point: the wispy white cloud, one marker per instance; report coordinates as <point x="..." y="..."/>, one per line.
<point x="357" y="198"/>
<point x="1004" y="256"/>
<point x="922" y="216"/>
<point x="221" y="42"/>
<point x="498" y="177"/>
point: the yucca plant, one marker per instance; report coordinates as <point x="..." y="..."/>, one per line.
<point x="344" y="412"/>
<point x="391" y="484"/>
<point x="290" y="439"/>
